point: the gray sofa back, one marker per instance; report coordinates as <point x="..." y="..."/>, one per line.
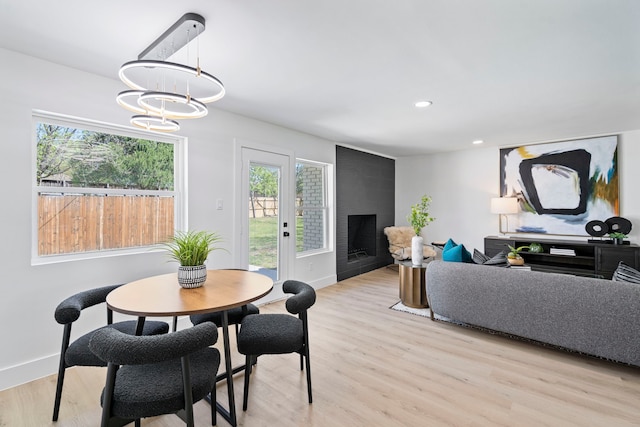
<point x="594" y="316"/>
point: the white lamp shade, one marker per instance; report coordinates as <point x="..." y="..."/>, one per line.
<point x="504" y="205"/>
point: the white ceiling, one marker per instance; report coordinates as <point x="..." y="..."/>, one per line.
<point x="505" y="71"/>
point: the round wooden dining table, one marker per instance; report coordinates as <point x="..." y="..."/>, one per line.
<point x="160" y="296"/>
<point x="163" y="296"/>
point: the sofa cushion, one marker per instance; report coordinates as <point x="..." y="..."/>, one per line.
<point x="499" y="260"/>
<point x="453" y="252"/>
<point x="624" y="273"/>
<point x="479" y="258"/>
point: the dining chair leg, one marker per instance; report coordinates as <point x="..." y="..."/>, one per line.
<point x="188" y="395"/>
<point x="305" y="352"/>
<point x="66" y="337"/>
<point x="214" y="411"/>
<point x="56" y="403"/>
<point x="247" y="374"/>
<point x="308" y="377"/>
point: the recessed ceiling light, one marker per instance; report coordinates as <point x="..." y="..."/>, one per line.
<point x="423" y="104"/>
<point x="477" y="141"/>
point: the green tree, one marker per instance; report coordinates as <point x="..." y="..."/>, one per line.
<point x="263" y="182"/>
<point x="150" y="165"/>
<point x="50" y="150"/>
<point x="299" y="182"/>
<point x="96" y="159"/>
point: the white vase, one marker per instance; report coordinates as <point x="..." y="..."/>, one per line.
<point x="416" y="250"/>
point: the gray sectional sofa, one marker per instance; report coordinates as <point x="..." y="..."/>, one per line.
<point x="594" y="316"/>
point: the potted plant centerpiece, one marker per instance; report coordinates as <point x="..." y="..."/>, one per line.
<point x="419" y="218"/>
<point x="191" y="249"/>
<point x="513" y="257"/>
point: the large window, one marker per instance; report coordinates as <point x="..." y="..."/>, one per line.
<point x="312" y="211"/>
<point x="100" y="188"/>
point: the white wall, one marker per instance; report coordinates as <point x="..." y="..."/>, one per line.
<point x="30" y="336"/>
<point x="462" y="183"/>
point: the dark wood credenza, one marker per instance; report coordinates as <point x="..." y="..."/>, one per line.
<point x="591" y="259"/>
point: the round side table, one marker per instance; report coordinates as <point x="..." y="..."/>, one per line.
<point x="413" y="292"/>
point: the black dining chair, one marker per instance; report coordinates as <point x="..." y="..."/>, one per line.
<point x="77" y="353"/>
<point x="234" y="315"/>
<point x="278" y="333"/>
<point x="148" y="376"/>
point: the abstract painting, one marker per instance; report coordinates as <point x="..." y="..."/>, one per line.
<point x="561" y="186"/>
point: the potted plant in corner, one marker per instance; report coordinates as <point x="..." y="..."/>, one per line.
<point x="514" y="257"/>
<point x="419" y="218"/>
<point x="191" y="249"/>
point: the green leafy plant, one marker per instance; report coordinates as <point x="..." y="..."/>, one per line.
<point x="191" y="248"/>
<point x="617" y="235"/>
<point x="515" y="252"/>
<point x="419" y="216"/>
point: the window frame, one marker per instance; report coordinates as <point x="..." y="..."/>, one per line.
<point x="179" y="193"/>
<point x="326" y="208"/>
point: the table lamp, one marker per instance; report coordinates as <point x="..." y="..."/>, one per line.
<point x="504" y="206"/>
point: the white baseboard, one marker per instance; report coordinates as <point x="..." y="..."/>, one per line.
<point x="25" y="372"/>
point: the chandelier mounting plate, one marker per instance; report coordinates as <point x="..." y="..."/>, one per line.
<point x="185" y="29"/>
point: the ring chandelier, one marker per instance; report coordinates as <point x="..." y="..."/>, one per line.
<point x="163" y="92"/>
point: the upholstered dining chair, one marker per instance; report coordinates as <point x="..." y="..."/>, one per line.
<point x="235" y="315"/>
<point x="149" y="376"/>
<point x="77" y="353"/>
<point x="278" y="333"/>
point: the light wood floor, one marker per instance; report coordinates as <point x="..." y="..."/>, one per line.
<point x="373" y="366"/>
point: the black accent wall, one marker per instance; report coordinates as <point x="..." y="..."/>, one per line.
<point x="365" y="185"/>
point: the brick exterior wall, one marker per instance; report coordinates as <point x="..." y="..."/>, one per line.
<point x="312" y="195"/>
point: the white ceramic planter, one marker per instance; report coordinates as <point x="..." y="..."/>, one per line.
<point x="416" y="250"/>
<point x="192" y="276"/>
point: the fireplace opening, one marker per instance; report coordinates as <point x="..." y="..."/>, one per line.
<point x="361" y="237"/>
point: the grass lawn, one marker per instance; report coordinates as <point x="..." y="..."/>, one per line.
<point x="263" y="241"/>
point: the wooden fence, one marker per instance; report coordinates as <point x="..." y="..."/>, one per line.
<point x="81" y="223"/>
<point x="263" y="207"/>
<point x="260" y="207"/>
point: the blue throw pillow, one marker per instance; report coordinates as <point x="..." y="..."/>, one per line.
<point x="449" y="245"/>
<point x="453" y="252"/>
